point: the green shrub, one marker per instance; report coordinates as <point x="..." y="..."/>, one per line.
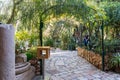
<point x="63" y="46"/>
<point x="115" y="60"/>
<point x="112" y="45"/>
<point x="71" y="46"/>
<point x="31" y="53"/>
<point x="48" y="42"/>
<point x="29" y="56"/>
<point x="112" y="42"/>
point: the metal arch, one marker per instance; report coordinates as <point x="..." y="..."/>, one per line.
<point x="102" y="27"/>
<point x="54" y="6"/>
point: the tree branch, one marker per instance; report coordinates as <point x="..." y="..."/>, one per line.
<point x="13" y="11"/>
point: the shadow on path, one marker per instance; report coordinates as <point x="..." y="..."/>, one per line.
<point x="67" y="65"/>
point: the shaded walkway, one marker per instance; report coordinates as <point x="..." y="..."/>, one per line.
<point x="66" y="65"/>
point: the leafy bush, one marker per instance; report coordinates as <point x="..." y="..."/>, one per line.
<point x="49" y="42"/>
<point x="31" y="53"/>
<point x="115" y="60"/>
<point x="22" y="35"/>
<point x="112" y="45"/>
<point x="64" y="41"/>
<point x="71" y="46"/>
<point x="112" y="42"/>
<point x="63" y="46"/>
<point x="29" y="56"/>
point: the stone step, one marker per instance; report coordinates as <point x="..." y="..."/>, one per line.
<point x="27" y="75"/>
<point x="19" y="65"/>
<point x="21" y="68"/>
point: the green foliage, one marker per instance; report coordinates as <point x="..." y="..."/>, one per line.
<point x="48" y="42"/>
<point x="112" y="42"/>
<point x="112" y="10"/>
<point x="64" y="41"/>
<point x="29" y="56"/>
<point x="71" y="44"/>
<point x="112" y="45"/>
<point x="22" y="35"/>
<point x="31" y="53"/>
<point x="33" y="39"/>
<point x="115" y="60"/>
<point x="21" y="38"/>
<point x="5" y="8"/>
<point x="88" y="12"/>
<point x="98" y="50"/>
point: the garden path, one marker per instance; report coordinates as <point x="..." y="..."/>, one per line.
<point x="67" y="65"/>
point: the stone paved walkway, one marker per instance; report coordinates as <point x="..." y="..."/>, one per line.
<point x="67" y="65"/>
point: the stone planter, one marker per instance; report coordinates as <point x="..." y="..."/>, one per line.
<point x="23" y="69"/>
<point x="94" y="58"/>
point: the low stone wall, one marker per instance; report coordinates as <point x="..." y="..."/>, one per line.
<point x="94" y="58"/>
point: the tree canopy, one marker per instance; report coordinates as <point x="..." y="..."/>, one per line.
<point x="26" y="14"/>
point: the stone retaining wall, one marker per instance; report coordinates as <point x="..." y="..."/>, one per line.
<point x="94" y="58"/>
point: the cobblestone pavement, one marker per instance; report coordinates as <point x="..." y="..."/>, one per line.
<point x="67" y="65"/>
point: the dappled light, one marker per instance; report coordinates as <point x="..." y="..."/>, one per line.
<point x="60" y="39"/>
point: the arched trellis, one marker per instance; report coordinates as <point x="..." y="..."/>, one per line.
<point x="75" y="6"/>
<point x="59" y="6"/>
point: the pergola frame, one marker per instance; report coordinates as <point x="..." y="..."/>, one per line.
<point x="41" y="35"/>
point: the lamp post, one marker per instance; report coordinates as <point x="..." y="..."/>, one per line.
<point x="41" y="60"/>
<point x="41" y="26"/>
<point x="103" y="52"/>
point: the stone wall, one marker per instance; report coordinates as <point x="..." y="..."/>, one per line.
<point x="94" y="58"/>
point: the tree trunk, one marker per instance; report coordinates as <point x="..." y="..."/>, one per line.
<point x="10" y="20"/>
<point x="12" y="15"/>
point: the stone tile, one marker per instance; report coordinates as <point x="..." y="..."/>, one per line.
<point x="66" y="65"/>
<point x="55" y="78"/>
<point x="117" y="78"/>
<point x="52" y="72"/>
<point x="97" y="76"/>
<point x="82" y="78"/>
